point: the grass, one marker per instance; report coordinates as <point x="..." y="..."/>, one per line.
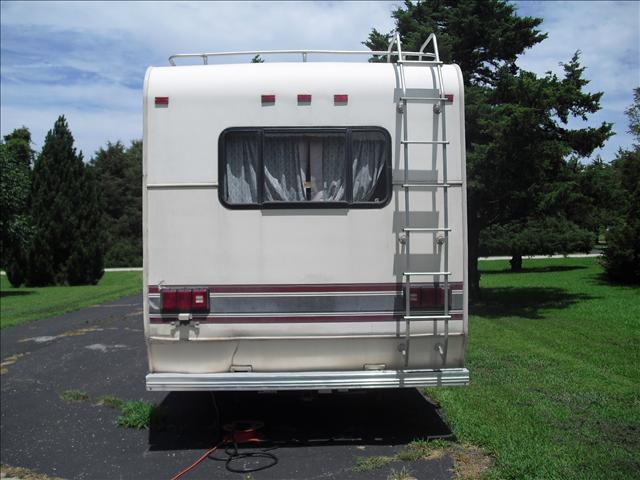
<point x="555" y="384"/>
<point x="419" y="449"/>
<point x="135" y="413"/>
<point x="366" y="464"/>
<point x="74" y="396"/>
<point x="24" y="304"/>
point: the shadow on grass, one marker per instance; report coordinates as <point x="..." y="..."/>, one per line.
<point x="603" y="279"/>
<point x="190" y="420"/>
<point x="549" y="269"/>
<point x="15" y="293"/>
<point x="524" y="302"/>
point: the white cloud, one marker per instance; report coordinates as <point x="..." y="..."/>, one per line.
<point x="87" y="59"/>
<point x="109" y="45"/>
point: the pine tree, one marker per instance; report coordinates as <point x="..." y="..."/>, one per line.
<point x="516" y="122"/>
<point x="16" y="157"/>
<point x="119" y="171"/>
<point x="67" y="240"/>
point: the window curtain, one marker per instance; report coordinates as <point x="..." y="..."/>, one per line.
<point x="368" y="151"/>
<point x="284" y="170"/>
<point x="327" y="160"/>
<point x="241" y="183"/>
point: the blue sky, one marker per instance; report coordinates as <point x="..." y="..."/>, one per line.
<point x="87" y="59"/>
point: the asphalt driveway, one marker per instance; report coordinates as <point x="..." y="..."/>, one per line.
<point x="101" y="350"/>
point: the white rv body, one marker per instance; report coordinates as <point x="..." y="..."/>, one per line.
<point x="299" y="297"/>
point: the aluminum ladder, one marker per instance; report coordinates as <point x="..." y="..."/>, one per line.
<point x="432" y="60"/>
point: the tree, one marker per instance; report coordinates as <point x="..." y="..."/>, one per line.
<point x="119" y="173"/>
<point x="516" y="131"/>
<point x="621" y="258"/>
<point x="67" y="243"/>
<point x="16" y="157"/>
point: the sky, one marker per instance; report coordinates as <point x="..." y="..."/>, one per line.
<point x="87" y="60"/>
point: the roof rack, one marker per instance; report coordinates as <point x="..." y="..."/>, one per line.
<point x="423" y="56"/>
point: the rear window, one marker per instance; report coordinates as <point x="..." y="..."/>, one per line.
<point x="305" y="168"/>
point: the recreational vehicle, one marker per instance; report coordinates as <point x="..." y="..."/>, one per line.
<point x="305" y="222"/>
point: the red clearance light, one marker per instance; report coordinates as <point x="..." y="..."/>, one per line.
<point x="184" y="300"/>
<point x="268" y="99"/>
<point x="162" y="101"/>
<point x="341" y="99"/>
<point x="304" y="98"/>
<point x="449" y="97"/>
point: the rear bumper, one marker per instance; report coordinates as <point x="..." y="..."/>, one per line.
<point x="252" y="381"/>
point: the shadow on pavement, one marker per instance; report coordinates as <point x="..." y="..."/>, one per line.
<point x="188" y="420"/>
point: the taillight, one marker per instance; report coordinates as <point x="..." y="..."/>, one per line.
<point x="448" y="97"/>
<point x="200" y="300"/>
<point x="184" y="300"/>
<point x="426" y="296"/>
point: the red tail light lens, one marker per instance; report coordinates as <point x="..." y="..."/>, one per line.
<point x="426" y="296"/>
<point x="304" y="99"/>
<point x="162" y="101"/>
<point x="449" y="97"/>
<point x="184" y="300"/>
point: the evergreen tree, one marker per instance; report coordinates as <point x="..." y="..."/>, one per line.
<point x="119" y="173"/>
<point x="16" y="157"/>
<point x="621" y="258"/>
<point x="516" y="123"/>
<point x="67" y="244"/>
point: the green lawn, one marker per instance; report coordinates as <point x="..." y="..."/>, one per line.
<point x="554" y="355"/>
<point x="22" y="305"/>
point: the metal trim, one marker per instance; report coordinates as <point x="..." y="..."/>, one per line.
<point x="251" y="381"/>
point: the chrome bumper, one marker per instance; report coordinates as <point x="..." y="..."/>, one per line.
<point x="307" y="380"/>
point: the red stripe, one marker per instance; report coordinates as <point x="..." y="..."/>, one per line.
<point x="310" y="288"/>
<point x="296" y="319"/>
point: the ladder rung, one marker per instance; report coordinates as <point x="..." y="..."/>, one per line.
<point x="427" y="317"/>
<point x="411" y="274"/>
<point x="420" y="229"/>
<point x="424" y="142"/>
<point x="424" y="99"/>
<point x="420" y="62"/>
<point x="418" y="185"/>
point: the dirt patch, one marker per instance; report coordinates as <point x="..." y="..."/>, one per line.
<point x="20" y="473"/>
<point x="469" y="462"/>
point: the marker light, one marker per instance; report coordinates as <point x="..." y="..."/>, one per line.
<point x="304" y="99"/>
<point x="449" y="97"/>
<point x="162" y="101"/>
<point x="340" y="99"/>
<point x="268" y="99"/>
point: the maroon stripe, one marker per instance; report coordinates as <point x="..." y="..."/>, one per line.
<point x="296" y="319"/>
<point x="310" y="288"/>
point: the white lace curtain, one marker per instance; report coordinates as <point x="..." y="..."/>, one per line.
<point x="301" y="167"/>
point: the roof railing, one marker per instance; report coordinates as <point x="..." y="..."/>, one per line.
<point x="422" y="55"/>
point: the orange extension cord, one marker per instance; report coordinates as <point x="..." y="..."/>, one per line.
<point x="243" y="431"/>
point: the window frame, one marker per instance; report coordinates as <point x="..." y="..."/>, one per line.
<point x="307" y="204"/>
